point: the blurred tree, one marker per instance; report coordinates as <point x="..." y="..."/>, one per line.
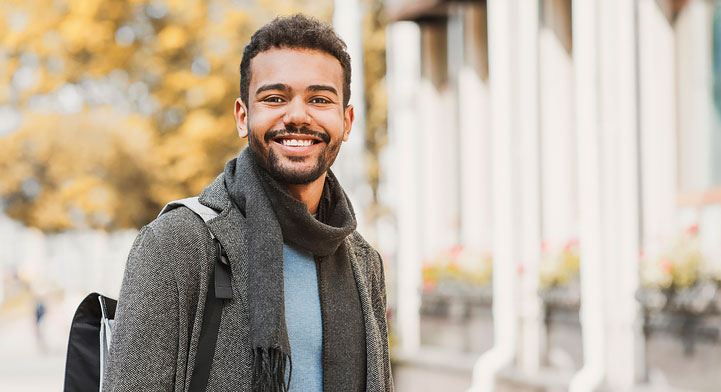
<point x="374" y="56"/>
<point x="94" y="171"/>
<point x="124" y="105"/>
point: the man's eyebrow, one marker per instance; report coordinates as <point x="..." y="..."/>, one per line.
<point x="274" y="86"/>
<point x="320" y="87"/>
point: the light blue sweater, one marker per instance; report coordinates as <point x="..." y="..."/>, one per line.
<point x="303" y="320"/>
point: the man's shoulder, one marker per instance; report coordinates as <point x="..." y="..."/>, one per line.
<point x="357" y="241"/>
<point x="181" y="221"/>
<point x="363" y="250"/>
<point x="179" y="225"/>
<point x="178" y="240"/>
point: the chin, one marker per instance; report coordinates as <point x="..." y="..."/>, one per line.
<point x="291" y="173"/>
<point x="295" y="170"/>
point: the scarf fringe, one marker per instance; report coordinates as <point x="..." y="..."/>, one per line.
<point x="269" y="369"/>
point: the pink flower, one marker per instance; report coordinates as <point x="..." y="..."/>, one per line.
<point x="571" y="244"/>
<point x="667" y="265"/>
<point x="456" y="250"/>
<point x="429" y="285"/>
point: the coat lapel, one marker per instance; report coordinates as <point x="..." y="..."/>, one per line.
<point x="374" y="349"/>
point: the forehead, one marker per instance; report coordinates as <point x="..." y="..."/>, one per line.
<point x="297" y="68"/>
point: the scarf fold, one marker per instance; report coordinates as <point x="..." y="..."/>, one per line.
<point x="272" y="217"/>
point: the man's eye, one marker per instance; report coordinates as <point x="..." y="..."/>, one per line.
<point x="320" y="100"/>
<point x="273" y="99"/>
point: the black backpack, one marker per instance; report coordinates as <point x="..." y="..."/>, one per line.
<point x="91" y="329"/>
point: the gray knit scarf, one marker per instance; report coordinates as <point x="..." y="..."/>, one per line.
<point x="273" y="217"/>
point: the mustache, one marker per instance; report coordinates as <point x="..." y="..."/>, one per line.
<point x="289" y="130"/>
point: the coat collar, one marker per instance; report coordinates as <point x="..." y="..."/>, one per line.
<point x="215" y="196"/>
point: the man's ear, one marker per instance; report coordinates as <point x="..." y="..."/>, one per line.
<point x="348" y="118"/>
<point x="241" y="118"/>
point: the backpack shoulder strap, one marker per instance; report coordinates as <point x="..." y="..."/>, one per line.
<point x="194" y="205"/>
<point x="219" y="288"/>
<point x="207" y="341"/>
<point x="223" y="287"/>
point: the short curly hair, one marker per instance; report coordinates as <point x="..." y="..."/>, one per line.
<point x="295" y="32"/>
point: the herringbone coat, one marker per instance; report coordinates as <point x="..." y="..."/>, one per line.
<point x="161" y="304"/>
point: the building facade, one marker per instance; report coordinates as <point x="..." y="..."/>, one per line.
<point x="518" y="128"/>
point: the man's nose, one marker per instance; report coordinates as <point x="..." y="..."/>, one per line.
<point x="297" y="113"/>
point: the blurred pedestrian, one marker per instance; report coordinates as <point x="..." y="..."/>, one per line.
<point x="39" y="316"/>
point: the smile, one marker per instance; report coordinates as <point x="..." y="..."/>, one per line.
<point x="297" y="142"/>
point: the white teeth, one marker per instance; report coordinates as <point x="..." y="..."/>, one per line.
<point x="296" y="142"/>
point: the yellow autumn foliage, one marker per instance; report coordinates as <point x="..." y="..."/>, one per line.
<point x="172" y="38"/>
<point x="90" y="169"/>
<point x="124" y="105"/>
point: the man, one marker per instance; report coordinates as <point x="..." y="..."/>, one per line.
<point x="308" y="295"/>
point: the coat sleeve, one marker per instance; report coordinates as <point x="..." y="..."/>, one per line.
<point x="144" y="345"/>
<point x="380" y="308"/>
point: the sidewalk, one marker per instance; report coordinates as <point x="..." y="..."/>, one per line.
<point x="408" y="378"/>
<point x="23" y="367"/>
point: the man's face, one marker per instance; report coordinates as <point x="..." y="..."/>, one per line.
<point x="295" y="120"/>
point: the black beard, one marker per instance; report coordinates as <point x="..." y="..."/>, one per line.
<point x="271" y="162"/>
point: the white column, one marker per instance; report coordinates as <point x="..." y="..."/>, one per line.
<point x="475" y="163"/>
<point x="436" y="135"/>
<point x="620" y="199"/>
<point x="474" y="135"/>
<point x="531" y="327"/>
<point x="435" y="194"/>
<point x="501" y="40"/>
<point x="696" y="114"/>
<point x="592" y="312"/>
<point x="557" y="141"/>
<point x="351" y="162"/>
<point x="657" y="111"/>
<point x="695" y="95"/>
<point x="403" y="57"/>
<point x="605" y="50"/>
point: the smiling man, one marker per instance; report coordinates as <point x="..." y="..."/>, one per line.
<point x="304" y="306"/>
<point x="299" y="116"/>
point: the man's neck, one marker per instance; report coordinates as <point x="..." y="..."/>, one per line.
<point x="308" y="193"/>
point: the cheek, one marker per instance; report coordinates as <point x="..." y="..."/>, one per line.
<point x="331" y="122"/>
<point x="264" y="120"/>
